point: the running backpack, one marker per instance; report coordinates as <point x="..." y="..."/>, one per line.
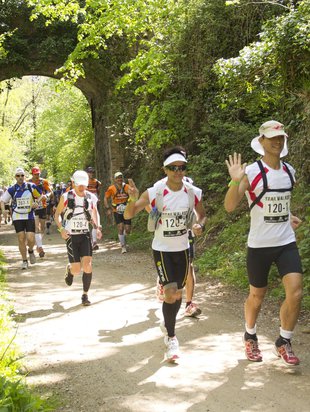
<point x="71" y="206"/>
<point x="265" y="183"/>
<point x="155" y="213"/>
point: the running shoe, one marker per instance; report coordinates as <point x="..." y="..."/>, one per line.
<point x="95" y="246"/>
<point x="68" y="275"/>
<point x="252" y="351"/>
<point x="285" y="352"/>
<point x="85" y="301"/>
<point x="32" y="257"/>
<point x="24" y="265"/>
<point x="124" y="249"/>
<point x="160" y="294"/>
<point x="172" y="353"/>
<point x="41" y="252"/>
<point x="192" y="310"/>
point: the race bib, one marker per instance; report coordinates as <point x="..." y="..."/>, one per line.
<point x="277" y="207"/>
<point x="79" y="223"/>
<point x="120" y="208"/>
<point x="174" y="223"/>
<point x="23" y="203"/>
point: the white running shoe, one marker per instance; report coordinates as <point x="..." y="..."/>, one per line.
<point x="124" y="249"/>
<point x="32" y="258"/>
<point x="173" y="352"/>
<point x="24" y="265"/>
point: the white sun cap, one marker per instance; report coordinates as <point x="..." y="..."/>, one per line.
<point x="175" y="157"/>
<point x="80" y="178"/>
<point x="270" y="129"/>
<point x="19" y="171"/>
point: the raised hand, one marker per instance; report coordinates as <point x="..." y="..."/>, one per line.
<point x="133" y="190"/>
<point x="234" y="166"/>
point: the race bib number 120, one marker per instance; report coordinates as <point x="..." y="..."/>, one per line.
<point x="277" y="208"/>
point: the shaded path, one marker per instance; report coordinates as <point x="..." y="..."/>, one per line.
<point x="109" y="356"/>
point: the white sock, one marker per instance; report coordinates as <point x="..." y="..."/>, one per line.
<point x="122" y="239"/>
<point x="250" y="331"/>
<point x="286" y="334"/>
<point x="38" y="238"/>
<point x="94" y="235"/>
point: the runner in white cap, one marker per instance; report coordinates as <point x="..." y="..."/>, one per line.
<point x="267" y="185"/>
<point x="25" y="198"/>
<point x="174" y="205"/>
<point x="76" y="211"/>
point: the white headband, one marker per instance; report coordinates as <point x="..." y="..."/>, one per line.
<point x="176" y="157"/>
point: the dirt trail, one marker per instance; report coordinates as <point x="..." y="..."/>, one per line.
<point x="109" y="356"/>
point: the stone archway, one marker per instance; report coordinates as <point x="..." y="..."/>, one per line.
<point x="34" y="49"/>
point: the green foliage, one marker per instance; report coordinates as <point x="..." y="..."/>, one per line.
<point x="302" y="204"/>
<point x="10" y="157"/>
<point x="51" y="124"/>
<point x="64" y="136"/>
<point x="218" y="139"/>
<point x="225" y="257"/>
<point x="14" y="394"/>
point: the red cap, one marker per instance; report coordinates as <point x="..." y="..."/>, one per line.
<point x="35" y="170"/>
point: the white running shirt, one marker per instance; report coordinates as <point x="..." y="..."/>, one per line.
<point x="171" y="234"/>
<point x="78" y="223"/>
<point x="270" y="218"/>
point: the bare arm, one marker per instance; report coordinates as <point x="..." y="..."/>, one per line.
<point x="58" y="219"/>
<point x="239" y="182"/>
<point x="198" y="227"/>
<point x="135" y="204"/>
<point x="96" y="220"/>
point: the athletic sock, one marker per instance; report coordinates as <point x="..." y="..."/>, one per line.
<point x="177" y="305"/>
<point x="286" y="334"/>
<point x="170" y="311"/>
<point x="94" y="235"/>
<point x="122" y="239"/>
<point x="169" y="318"/>
<point x="188" y="303"/>
<point x="38" y="238"/>
<point x="86" y="279"/>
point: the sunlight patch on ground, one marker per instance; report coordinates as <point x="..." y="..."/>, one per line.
<point x="46" y="378"/>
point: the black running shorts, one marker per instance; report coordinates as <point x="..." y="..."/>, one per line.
<point x="79" y="246"/>
<point x="172" y="267"/>
<point x="119" y="218"/>
<point x="259" y="261"/>
<point x="24" y="225"/>
<point x="41" y="213"/>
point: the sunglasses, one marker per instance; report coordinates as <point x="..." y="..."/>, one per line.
<point x="19" y="175"/>
<point x="175" y="168"/>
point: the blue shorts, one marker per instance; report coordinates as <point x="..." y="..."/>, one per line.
<point x="259" y="261"/>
